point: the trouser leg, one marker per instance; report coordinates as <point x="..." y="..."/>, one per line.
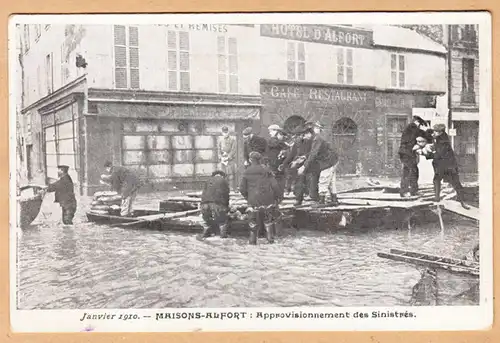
<point x="313" y="179"/>
<point x="300" y="187"/>
<point x="68" y="213"/>
<point x="437" y="188"/>
<point x="127" y="203"/>
<point x="457" y="185"/>
<point x="404" y="178"/>
<point x="413" y="177"/>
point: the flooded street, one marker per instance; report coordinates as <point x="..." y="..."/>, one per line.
<point x="91" y="266"/>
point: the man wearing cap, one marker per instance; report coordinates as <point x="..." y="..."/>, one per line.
<point x="64" y="194"/>
<point x="126" y="183"/>
<point x="408" y="157"/>
<point x="445" y="165"/>
<point x="252" y="143"/>
<point x="227" y="156"/>
<point x="321" y="161"/>
<point x="276" y="153"/>
<point x="262" y="193"/>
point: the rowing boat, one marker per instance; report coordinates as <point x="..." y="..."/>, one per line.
<point x="444" y="280"/>
<point x="29" y="204"/>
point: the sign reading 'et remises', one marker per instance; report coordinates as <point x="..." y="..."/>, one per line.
<point x="335" y="35"/>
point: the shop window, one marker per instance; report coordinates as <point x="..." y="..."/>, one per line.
<point x="227" y="54"/>
<point x="126" y="49"/>
<point x="159" y="171"/>
<point x="183" y="169"/>
<point x="468" y="95"/>
<point x="169" y="127"/>
<point x="133" y="142"/>
<point x="204" y="142"/>
<point x="134" y="157"/>
<point x="178" y="61"/>
<point x="205" y="168"/>
<point x="146" y="126"/>
<point x="345" y="66"/>
<point x="296" y="61"/>
<point x="158" y="142"/>
<point x="66" y="146"/>
<point x="216" y="127"/>
<point x="59" y="148"/>
<point x="398" y="71"/>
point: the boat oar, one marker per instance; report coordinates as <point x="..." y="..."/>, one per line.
<point x="155" y="217"/>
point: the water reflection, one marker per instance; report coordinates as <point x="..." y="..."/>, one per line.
<point x="91" y="266"/>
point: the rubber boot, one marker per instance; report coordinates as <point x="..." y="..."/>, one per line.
<point x="270" y="233"/>
<point x="223" y="231"/>
<point x="460" y="198"/>
<point x="253" y="237"/>
<point x="204" y="234"/>
<point x="334" y="200"/>
<point x="437" y="191"/>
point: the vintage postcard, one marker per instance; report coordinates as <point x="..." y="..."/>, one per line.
<point x="251" y="172"/>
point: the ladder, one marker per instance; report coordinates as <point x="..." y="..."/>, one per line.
<point x="452" y="265"/>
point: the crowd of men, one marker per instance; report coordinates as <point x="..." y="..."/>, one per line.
<point x="301" y="160"/>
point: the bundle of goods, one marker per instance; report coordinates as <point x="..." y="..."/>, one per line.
<point x="105" y="202"/>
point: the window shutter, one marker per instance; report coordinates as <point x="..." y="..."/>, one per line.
<point x="120" y="37"/>
<point x="133" y="39"/>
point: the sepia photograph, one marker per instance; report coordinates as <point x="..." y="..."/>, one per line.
<point x="250" y="172"/>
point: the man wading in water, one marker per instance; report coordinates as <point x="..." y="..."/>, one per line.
<point x="262" y="193"/>
<point x="64" y="194"/>
<point x="215" y="205"/>
<point x="126" y="183"/>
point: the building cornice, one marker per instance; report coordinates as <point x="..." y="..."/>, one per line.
<point x="164" y="97"/>
<point x="409" y="50"/>
<point x="57" y="94"/>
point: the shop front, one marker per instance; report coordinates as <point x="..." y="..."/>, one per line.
<point x="346" y="112"/>
<point x="170" y="145"/>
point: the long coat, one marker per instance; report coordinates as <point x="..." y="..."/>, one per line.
<point x="301" y="147"/>
<point x="255" y="143"/>
<point x="259" y="186"/>
<point x="216" y="191"/>
<point x="444" y="160"/>
<point x="409" y="139"/>
<point x="321" y="156"/>
<point x="274" y="148"/>
<point x="124" y="181"/>
<point x="64" y="191"/>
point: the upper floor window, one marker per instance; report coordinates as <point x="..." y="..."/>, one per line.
<point x="398" y="70"/>
<point x="126" y="41"/>
<point x="345" y="66"/>
<point x="38" y="31"/>
<point x="469" y="33"/>
<point x="26" y="37"/>
<point x="227" y="54"/>
<point x="178" y="66"/>
<point x="468" y="94"/>
<point x="296" y="61"/>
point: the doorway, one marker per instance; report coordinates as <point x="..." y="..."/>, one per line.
<point x="345" y="140"/>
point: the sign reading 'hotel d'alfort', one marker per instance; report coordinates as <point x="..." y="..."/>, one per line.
<point x="336" y="35"/>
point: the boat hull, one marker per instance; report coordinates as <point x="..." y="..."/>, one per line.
<point x="29" y="208"/>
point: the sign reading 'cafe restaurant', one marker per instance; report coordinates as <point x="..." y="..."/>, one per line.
<point x="320" y="34"/>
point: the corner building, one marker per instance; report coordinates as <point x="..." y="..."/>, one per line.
<point x="362" y="83"/>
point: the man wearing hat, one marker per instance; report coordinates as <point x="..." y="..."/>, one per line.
<point x="276" y="153"/>
<point x="126" y="183"/>
<point x="64" y="194"/>
<point x="252" y="143"/>
<point x="408" y="157"/>
<point x="227" y="156"/>
<point x="445" y="165"/>
<point x="320" y="166"/>
<point x="262" y="193"/>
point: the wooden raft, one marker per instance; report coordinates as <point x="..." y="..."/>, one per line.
<point x="452" y="265"/>
<point x="455" y="207"/>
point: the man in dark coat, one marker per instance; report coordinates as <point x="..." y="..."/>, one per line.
<point x="409" y="178"/>
<point x="215" y="204"/>
<point x="262" y="193"/>
<point x="64" y="194"/>
<point x="126" y="183"/>
<point x="252" y="142"/>
<point x="276" y="153"/>
<point x="445" y="165"/>
<point x="322" y="164"/>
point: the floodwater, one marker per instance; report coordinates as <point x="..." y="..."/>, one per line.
<point x="88" y="266"/>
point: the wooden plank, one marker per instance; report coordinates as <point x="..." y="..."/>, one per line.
<point x="430" y="264"/>
<point x="456" y="207"/>
<point x="435" y="258"/>
<point x="162" y="216"/>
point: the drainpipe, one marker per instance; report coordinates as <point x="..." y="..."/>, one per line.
<point x="450" y="84"/>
